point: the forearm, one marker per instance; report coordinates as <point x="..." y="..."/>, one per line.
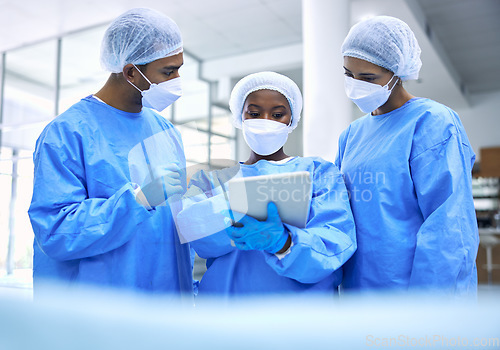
<point x="315" y="254"/>
<point x="91" y="227"/>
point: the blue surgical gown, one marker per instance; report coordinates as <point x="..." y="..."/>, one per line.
<point x="314" y="263"/>
<point x="88" y="227"/>
<point x="409" y="177"/>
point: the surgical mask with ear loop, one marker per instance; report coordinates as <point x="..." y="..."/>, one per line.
<point x="160" y="96"/>
<point x="367" y="96"/>
<point x="265" y="136"/>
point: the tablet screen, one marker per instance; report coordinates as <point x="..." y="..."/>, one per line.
<point x="291" y="192"/>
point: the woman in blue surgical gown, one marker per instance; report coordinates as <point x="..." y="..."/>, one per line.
<point x="407" y="165"/>
<point x="269" y="256"/>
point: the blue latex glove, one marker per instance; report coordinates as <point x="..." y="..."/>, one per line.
<point x="166" y="184"/>
<point x="269" y="235"/>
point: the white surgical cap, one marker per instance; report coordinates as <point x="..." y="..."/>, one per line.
<point x="139" y="36"/>
<point x="265" y="81"/>
<point x="387" y="42"/>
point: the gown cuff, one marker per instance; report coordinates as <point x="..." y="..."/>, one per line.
<point x="286" y="252"/>
<point x="139" y="196"/>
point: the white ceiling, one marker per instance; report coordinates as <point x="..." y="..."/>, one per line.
<point x="466" y="30"/>
<point x="469" y="31"/>
<point x="210" y="28"/>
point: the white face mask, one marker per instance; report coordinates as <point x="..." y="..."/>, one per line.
<point x="160" y="96"/>
<point x="367" y="96"/>
<point x="264" y="136"/>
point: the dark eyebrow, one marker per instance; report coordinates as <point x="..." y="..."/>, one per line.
<point x="280" y="106"/>
<point x="254" y="105"/>
<point x="366" y="74"/>
<point x="173" y="67"/>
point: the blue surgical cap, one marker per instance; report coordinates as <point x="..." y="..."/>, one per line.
<point x="265" y="81"/>
<point x="139" y="36"/>
<point x="387" y="42"/>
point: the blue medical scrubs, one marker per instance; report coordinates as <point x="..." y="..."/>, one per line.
<point x="88" y="227"/>
<point x="409" y="177"/>
<point x="313" y="263"/>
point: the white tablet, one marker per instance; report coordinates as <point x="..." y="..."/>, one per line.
<point x="291" y="192"/>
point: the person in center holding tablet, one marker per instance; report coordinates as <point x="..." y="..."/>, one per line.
<point x="254" y="257"/>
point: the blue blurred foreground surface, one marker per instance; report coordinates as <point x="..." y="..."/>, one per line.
<point x="97" y="319"/>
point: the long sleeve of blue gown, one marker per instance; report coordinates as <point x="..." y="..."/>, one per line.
<point x="66" y="222"/>
<point x="213" y="246"/>
<point x="329" y="238"/>
<point x="447" y="241"/>
<point x="201" y="222"/>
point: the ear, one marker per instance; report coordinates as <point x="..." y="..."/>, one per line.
<point x="129" y="72"/>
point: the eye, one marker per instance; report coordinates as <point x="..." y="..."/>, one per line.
<point x="253" y="114"/>
<point x="347" y="74"/>
<point x="169" y="73"/>
<point x="278" y="115"/>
